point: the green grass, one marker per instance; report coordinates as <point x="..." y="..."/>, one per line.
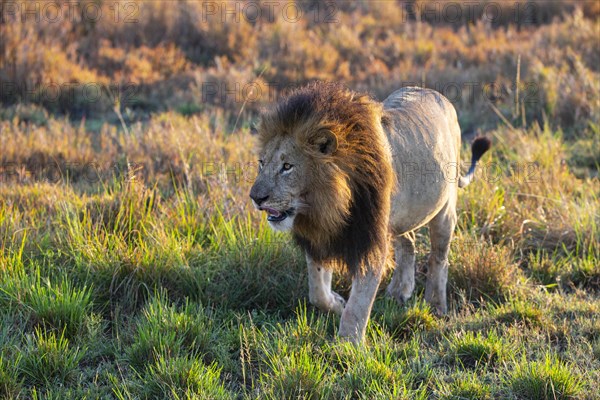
<point x="547" y="379"/>
<point x="466" y="387"/>
<point x="60" y="307"/>
<point x="131" y="289"/>
<point x="520" y="312"/>
<point x="181" y="378"/>
<point x="474" y="350"/>
<point x="403" y="322"/>
<point x="10" y="382"/>
<point x="295" y="374"/>
<point x="49" y="359"/>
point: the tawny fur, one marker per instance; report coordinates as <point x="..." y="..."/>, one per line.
<point x="344" y="172"/>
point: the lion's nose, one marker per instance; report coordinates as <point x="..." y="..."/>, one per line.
<point x="258" y="199"/>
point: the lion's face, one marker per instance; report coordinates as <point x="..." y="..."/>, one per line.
<point x="280" y="189"/>
<point x="326" y="173"/>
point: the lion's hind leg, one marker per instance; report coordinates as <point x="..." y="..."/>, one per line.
<point x="441" y="228"/>
<point x="319" y="288"/>
<point x="403" y="280"/>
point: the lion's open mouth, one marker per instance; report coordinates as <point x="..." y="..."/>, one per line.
<point x="277" y="216"/>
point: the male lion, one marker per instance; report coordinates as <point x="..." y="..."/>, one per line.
<point x="341" y="171"/>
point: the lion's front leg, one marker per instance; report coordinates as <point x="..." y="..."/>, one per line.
<point x="353" y="324"/>
<point x="319" y="288"/>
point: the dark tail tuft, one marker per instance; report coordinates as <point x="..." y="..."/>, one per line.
<point x="480" y="145"/>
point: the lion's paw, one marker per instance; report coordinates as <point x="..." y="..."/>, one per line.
<point x="330" y="302"/>
<point x="437" y="301"/>
<point x="401" y="293"/>
<point x="337" y="303"/>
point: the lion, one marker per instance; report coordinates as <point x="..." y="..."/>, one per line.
<point x="348" y="175"/>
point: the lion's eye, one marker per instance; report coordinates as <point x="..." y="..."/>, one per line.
<point x="260" y="164"/>
<point x="286" y="167"/>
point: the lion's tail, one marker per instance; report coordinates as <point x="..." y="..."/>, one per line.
<point x="478" y="148"/>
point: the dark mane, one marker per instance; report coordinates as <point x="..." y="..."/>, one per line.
<point x="355" y="234"/>
<point x="353" y="244"/>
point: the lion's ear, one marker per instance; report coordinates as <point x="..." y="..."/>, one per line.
<point x="324" y="141"/>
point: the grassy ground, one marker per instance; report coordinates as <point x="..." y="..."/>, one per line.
<point x="114" y="288"/>
<point x="132" y="265"/>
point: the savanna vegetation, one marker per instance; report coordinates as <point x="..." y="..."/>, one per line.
<point x="132" y="264"/>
